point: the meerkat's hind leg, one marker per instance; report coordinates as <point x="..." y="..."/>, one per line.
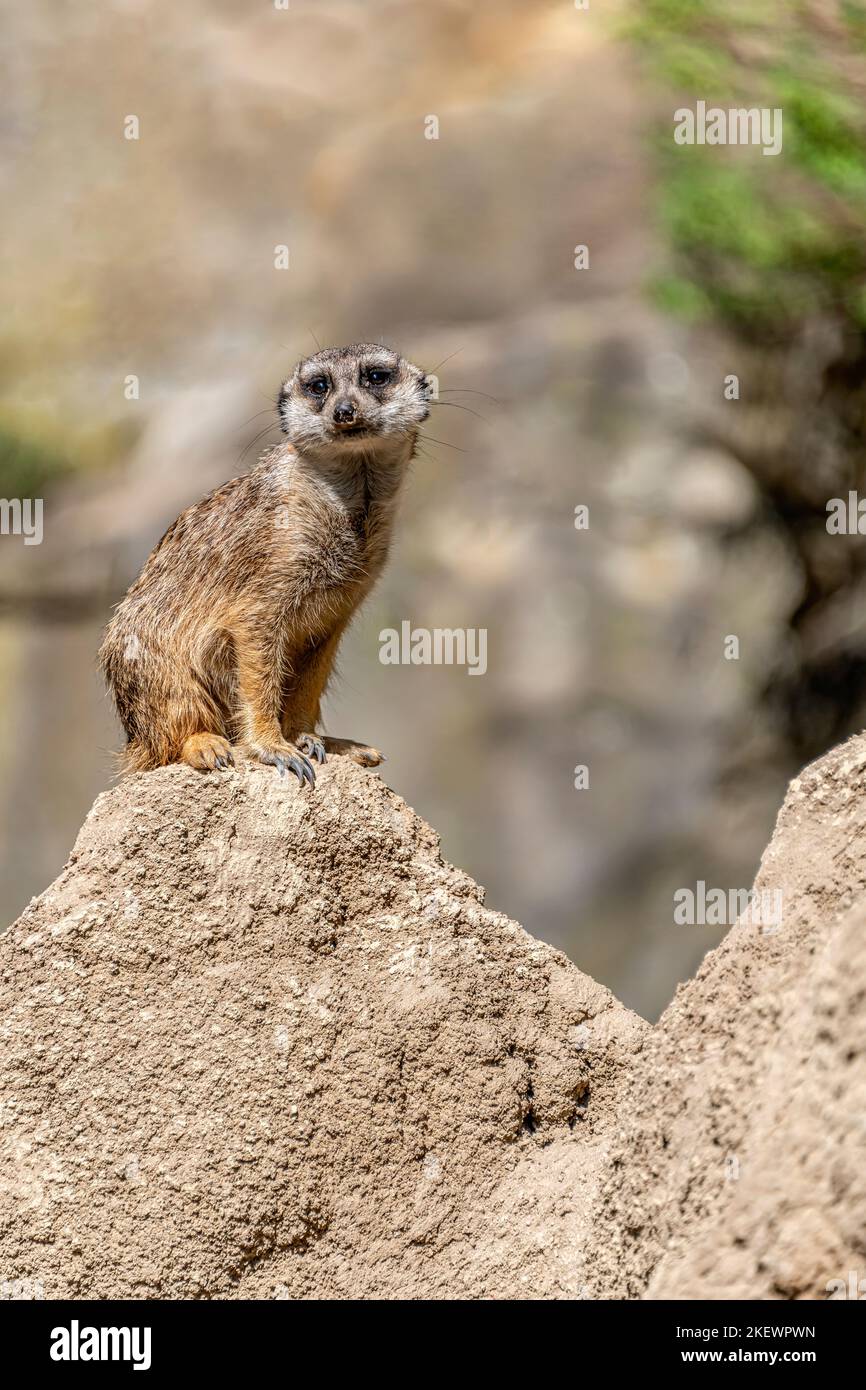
<point x="359" y="752"/>
<point x="205" y="752"/>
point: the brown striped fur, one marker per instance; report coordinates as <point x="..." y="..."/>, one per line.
<point x="229" y="634"/>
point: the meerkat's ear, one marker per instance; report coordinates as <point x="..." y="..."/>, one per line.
<point x="282" y="396"/>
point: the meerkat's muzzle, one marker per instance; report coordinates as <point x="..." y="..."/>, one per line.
<point x="347" y="421"/>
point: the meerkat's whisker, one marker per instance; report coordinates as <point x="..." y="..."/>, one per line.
<point x="255" y="439"/>
<point x="434" y="370"/>
<point x="257" y="416"/>
<point x="430" y="440"/>
<point x="456" y="405"/>
<point x="467" y="391"/>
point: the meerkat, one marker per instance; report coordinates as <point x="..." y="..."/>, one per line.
<point x="228" y="637"/>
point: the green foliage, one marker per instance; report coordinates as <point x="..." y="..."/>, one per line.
<point x="27" y="465"/>
<point x="38" y="451"/>
<point x="763" y="241"/>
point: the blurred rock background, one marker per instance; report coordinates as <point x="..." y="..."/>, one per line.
<point x="305" y="127"/>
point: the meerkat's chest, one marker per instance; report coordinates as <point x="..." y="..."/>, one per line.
<point x="337" y="553"/>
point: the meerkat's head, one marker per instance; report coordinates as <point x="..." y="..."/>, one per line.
<point x="350" y="400"/>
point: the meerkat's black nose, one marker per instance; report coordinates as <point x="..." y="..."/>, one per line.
<point x="344" y="413"/>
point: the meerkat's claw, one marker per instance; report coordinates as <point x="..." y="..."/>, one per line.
<point x="308" y="743"/>
<point x="300" y="766"/>
<point x="285" y="758"/>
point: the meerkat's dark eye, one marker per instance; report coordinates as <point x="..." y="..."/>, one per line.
<point x="378" y="376"/>
<point x="317" y="386"/>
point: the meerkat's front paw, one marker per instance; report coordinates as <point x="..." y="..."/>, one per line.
<point x="285" y="757"/>
<point x="205" y="752"/>
<point x="312" y="746"/>
<point x="358" y="752"/>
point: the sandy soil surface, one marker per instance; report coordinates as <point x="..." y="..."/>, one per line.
<point x="263" y="1043"/>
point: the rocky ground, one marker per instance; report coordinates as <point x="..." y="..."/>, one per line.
<point x="263" y="1043"/>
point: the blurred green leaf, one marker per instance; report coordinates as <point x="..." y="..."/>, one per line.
<point x="27" y="465"/>
<point x="761" y="241"/>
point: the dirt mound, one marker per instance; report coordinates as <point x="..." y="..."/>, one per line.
<point x="261" y="1043"/>
<point x="264" y="1043"/>
<point x="740" y="1166"/>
